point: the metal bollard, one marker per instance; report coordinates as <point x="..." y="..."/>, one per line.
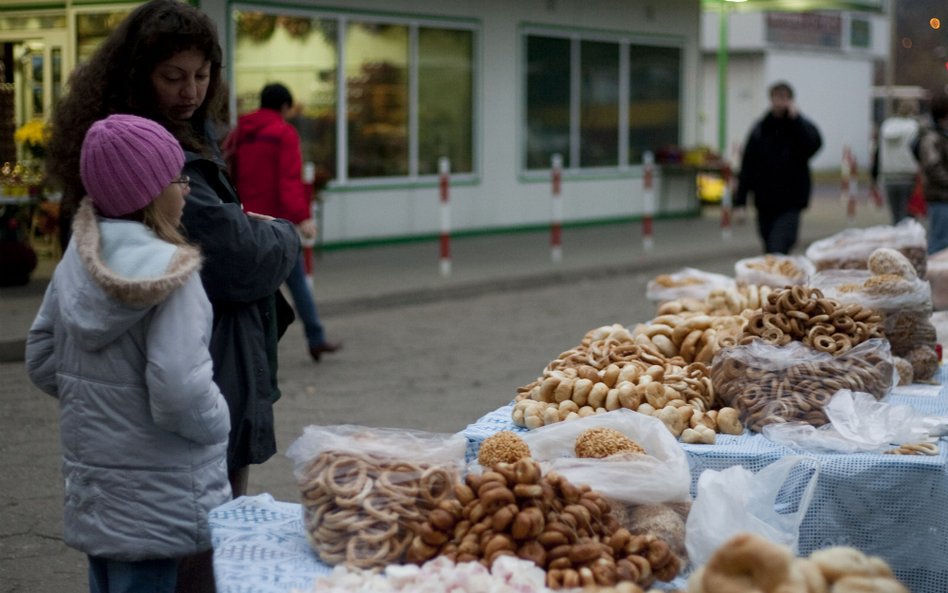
<point x="648" y="195"/>
<point x="556" y="222"/>
<point x="444" y="169"/>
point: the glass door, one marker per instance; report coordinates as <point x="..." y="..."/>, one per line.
<point x="34" y="67"/>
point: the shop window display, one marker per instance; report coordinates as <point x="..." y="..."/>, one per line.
<point x="377" y="99"/>
<point x="573" y="98"/>
<point x="93" y="27"/>
<point x="548" y="100"/>
<point x="599" y="104"/>
<point x="654" y="99"/>
<point x="299" y="52"/>
<point x="390" y="132"/>
<point x="445" y="99"/>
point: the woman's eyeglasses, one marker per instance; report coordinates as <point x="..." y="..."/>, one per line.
<point x="183" y="180"/>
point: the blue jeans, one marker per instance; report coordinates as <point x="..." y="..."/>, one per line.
<point x="937" y="226"/>
<point x="144" y="576"/>
<point x="305" y="305"/>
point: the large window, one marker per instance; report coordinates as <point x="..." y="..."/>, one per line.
<point x="405" y="97"/>
<point x="548" y="92"/>
<point x="599" y="103"/>
<point x="377" y="99"/>
<point x="92" y="27"/>
<point x="445" y="99"/>
<point x="654" y="98"/>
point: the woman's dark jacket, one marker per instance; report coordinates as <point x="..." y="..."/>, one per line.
<point x="245" y="262"/>
<point x="775" y="166"/>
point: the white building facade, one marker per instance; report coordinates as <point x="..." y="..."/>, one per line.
<point x="827" y="57"/>
<point x="390" y="88"/>
<point x="499" y="88"/>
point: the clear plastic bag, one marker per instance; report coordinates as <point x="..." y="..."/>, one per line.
<point x="661" y="475"/>
<point x="773" y="270"/>
<point x="850" y="249"/>
<point x="687" y="283"/>
<point x="365" y="490"/>
<point x="937" y="274"/>
<point x="905" y="306"/>
<point x="770" y="503"/>
<point x="858" y="423"/>
<point x="769" y="384"/>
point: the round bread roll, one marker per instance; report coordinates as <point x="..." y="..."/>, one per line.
<point x="503" y="447"/>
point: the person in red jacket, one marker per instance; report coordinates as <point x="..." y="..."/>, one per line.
<point x="266" y="164"/>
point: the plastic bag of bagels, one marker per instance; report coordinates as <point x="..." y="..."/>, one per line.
<point x="769" y="384"/>
<point x="657" y="475"/>
<point x="686" y="283"/>
<point x="904" y="303"/>
<point x="366" y="491"/>
<point x="773" y="270"/>
<point x="850" y="249"/>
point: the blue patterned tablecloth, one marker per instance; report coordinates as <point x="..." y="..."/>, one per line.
<point x="260" y="545"/>
<point x="891" y="506"/>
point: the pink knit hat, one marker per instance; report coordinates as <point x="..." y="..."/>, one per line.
<point x="126" y="161"/>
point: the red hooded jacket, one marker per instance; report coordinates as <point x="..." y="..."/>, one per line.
<point x="266" y="165"/>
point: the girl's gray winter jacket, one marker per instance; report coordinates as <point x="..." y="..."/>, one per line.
<point x="121" y="340"/>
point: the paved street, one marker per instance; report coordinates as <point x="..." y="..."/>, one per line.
<point x="420" y="352"/>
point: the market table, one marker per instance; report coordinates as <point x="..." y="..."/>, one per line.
<point x="885" y="505"/>
<point x="892" y="506"/>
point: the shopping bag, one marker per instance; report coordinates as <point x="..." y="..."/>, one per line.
<point x="916" y="204"/>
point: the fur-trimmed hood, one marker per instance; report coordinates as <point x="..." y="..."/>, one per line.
<point x="121" y="269"/>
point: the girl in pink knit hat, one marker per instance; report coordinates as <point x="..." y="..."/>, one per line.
<point x="164" y="62"/>
<point x="121" y="340"/>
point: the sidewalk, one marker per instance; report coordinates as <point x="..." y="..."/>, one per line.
<point x="365" y="278"/>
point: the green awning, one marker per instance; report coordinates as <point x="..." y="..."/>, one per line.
<point x="726" y="7"/>
<point x="794" y="5"/>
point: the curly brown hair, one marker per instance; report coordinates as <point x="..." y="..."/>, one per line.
<point x="117" y="79"/>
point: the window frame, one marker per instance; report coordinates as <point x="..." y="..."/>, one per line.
<point x="342" y="181"/>
<point x="576" y="37"/>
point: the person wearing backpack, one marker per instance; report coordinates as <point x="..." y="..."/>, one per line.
<point x="897" y="167"/>
<point x="933" y="160"/>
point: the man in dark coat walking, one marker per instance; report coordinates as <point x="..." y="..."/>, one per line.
<point x="775" y="168"/>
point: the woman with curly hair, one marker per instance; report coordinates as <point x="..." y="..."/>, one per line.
<point x="163" y="62"/>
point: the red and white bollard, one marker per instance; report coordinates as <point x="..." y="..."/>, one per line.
<point x="648" y="195"/>
<point x="444" y="169"/>
<point x="556" y="222"/>
<point x="309" y="178"/>
<point x="726" y="202"/>
<point x="848" y="183"/>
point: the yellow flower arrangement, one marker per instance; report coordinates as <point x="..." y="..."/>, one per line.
<point x="33" y="136"/>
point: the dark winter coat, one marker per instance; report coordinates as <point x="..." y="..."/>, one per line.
<point x="933" y="158"/>
<point x="775" y="166"/>
<point x="245" y="262"/>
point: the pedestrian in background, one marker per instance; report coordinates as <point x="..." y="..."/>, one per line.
<point x="163" y="62"/>
<point x="775" y="169"/>
<point x="933" y="160"/>
<point x="895" y="165"/>
<point x="121" y="339"/>
<point x="265" y="160"/>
